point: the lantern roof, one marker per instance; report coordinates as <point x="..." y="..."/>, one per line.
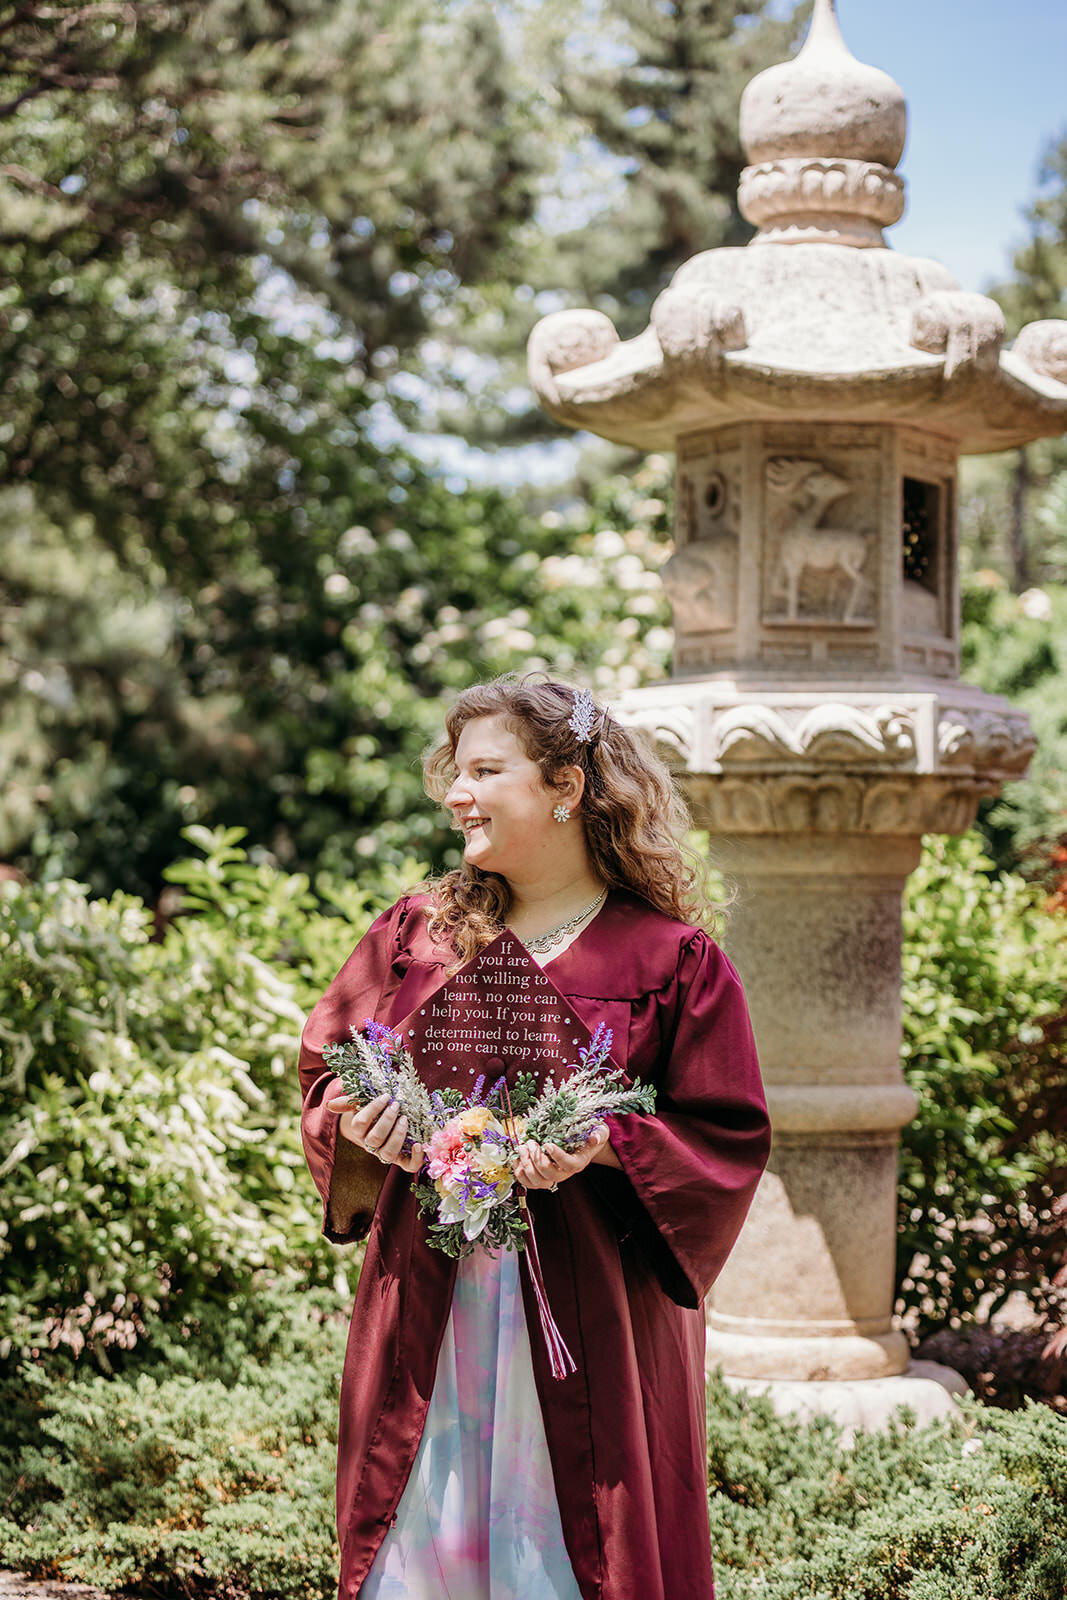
<point x="816" y="318"/>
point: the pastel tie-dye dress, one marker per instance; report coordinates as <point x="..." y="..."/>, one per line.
<point x="478" y="1519"/>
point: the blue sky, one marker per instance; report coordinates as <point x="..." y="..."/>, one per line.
<point x="986" y="85"/>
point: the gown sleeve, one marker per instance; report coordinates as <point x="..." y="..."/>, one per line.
<point x="693" y="1167"/>
<point x="348" y="1178"/>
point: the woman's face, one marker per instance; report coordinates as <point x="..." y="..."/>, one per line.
<point x="500" y="802"/>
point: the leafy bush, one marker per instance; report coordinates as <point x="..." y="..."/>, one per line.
<point x="197" y="1484"/>
<point x="1005" y="1365"/>
<point x="150" y="1150"/>
<point x="210" y="1475"/>
<point x="973" y="1505"/>
<point x="1016" y="646"/>
<point x="984" y="1164"/>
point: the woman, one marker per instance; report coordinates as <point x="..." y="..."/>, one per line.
<point x="464" y="1468"/>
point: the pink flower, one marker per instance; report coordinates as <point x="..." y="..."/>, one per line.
<point x="448" y="1155"/>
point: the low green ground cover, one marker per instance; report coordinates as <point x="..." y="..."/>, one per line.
<point x="208" y="1471"/>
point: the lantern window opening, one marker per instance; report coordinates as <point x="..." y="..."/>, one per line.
<point x="922" y="510"/>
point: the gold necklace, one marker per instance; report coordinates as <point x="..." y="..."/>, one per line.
<point x="545" y="941"/>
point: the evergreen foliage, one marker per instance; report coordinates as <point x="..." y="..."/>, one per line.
<point x="968" y="1506"/>
<point x="663" y="100"/>
<point x="221" y="1482"/>
<point x="1017" y="505"/>
<point x="223" y="224"/>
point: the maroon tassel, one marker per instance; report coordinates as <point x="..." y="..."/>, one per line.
<point x="559" y="1357"/>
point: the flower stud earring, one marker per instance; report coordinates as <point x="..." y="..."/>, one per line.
<point x="562" y="813"/>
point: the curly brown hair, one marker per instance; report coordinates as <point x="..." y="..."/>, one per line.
<point x="635" y="822"/>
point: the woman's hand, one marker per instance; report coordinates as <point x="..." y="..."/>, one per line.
<point x="380" y="1129"/>
<point x="546" y="1166"/>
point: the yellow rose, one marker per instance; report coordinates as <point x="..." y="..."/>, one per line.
<point x="515" y="1127"/>
<point x="476" y="1120"/>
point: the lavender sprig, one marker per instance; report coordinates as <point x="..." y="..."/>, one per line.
<point x="375" y="1062"/>
<point x="567" y="1116"/>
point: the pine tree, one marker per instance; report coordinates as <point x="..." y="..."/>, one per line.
<point x="222" y="224"/>
<point x="1033" y="491"/>
<point x="669" y="110"/>
<point x="643" y="119"/>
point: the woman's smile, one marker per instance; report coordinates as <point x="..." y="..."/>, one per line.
<point x="498" y="799"/>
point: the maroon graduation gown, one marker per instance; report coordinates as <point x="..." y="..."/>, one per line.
<point x="627" y="1256"/>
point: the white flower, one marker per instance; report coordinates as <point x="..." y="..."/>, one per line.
<point x="451" y="1207"/>
<point x="1035" y="603"/>
<point x="476" y="1219"/>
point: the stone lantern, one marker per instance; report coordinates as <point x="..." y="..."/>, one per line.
<point x="818" y="390"/>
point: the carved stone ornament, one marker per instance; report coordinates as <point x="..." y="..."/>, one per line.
<point x="1043" y="347"/>
<point x="829" y="733"/>
<point x="701" y="584"/>
<point x="776" y="803"/>
<point x="701" y="576"/>
<point x="695" y="326"/>
<point x="986" y="741"/>
<point x="797" y="200"/>
<point x="967" y="329"/>
<point x="563" y="342"/>
<point x="669" y="728"/>
<point x="800" y="493"/>
<point x="863" y="756"/>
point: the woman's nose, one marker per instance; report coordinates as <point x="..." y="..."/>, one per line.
<point x="459" y="794"/>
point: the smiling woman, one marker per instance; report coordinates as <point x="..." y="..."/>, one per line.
<point x="465" y="1468"/>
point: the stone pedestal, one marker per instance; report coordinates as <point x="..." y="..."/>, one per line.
<point x="816" y="801"/>
<point x="928" y="1389"/>
<point x="815" y="935"/>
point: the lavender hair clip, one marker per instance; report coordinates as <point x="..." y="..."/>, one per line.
<point x="583" y="716"/>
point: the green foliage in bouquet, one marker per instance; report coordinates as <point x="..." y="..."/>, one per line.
<point x="505" y="1227"/>
<point x="985" y="1048"/>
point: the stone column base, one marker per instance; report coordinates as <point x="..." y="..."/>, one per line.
<point x="927" y="1388"/>
<point x="815" y="1358"/>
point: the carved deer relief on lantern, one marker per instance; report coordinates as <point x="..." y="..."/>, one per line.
<point x="814" y="572"/>
<point x="701" y="576"/>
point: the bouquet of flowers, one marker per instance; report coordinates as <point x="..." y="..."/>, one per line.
<point x="467" y="1182"/>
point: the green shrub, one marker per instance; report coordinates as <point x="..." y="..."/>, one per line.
<point x="221" y="1483"/>
<point x="150" y="1150"/>
<point x="985" y="979"/>
<point x="974" y="1505"/>
<point x="306" y="932"/>
<point x="209" y="1475"/>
